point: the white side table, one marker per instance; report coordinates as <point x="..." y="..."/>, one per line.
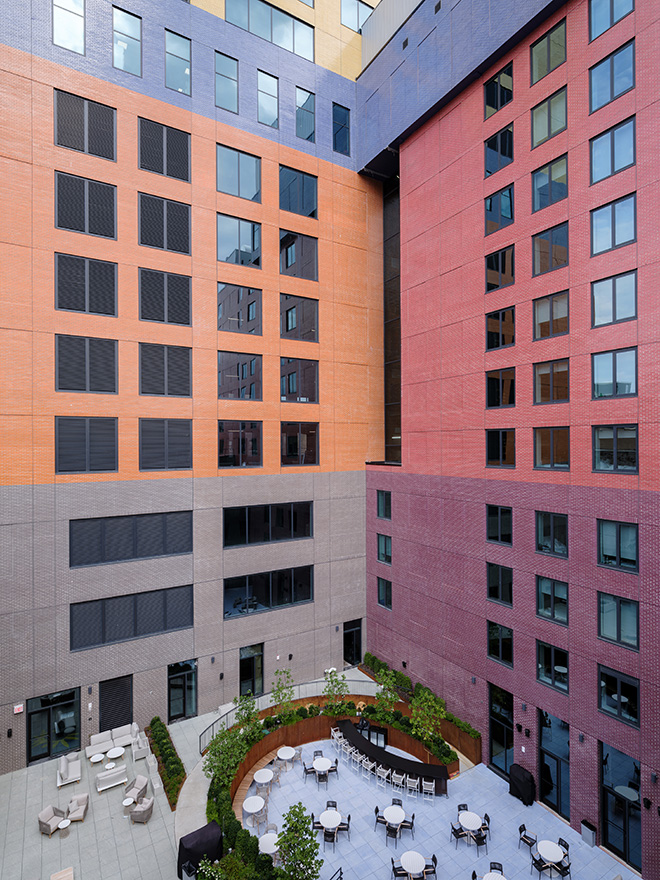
<point x="128" y="804"/>
<point x="64" y="827"/>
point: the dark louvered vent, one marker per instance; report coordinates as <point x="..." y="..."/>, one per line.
<point x="71" y="283"/>
<point x="150" y="536"/>
<point x="152" y="444"/>
<point x="165" y="444"/>
<point x="151" y="146"/>
<point x="101" y="209"/>
<point x="70" y="114"/>
<point x="100" y="130"/>
<point x="178" y="299"/>
<point x="179" y="444"/>
<point x="150" y="613"/>
<point x="178" y="227"/>
<point x="84" y="285"/>
<point x="178" y="371"/>
<point x="152" y="369"/>
<point x="71" y="445"/>
<point x="115" y="538"/>
<point x="102" y="282"/>
<point x="85" y="542"/>
<point x="86" y="625"/>
<point x="116" y="695"/>
<point x="179" y="607"/>
<point x="152" y="221"/>
<point x="102" y="365"/>
<point x="84" y="125"/>
<point x="118" y="538"/>
<point x="178" y="532"/>
<point x="70" y="202"/>
<point x="102" y="445"/>
<point x="152" y="295"/>
<point x="86" y="364"/>
<point x="177" y="150"/>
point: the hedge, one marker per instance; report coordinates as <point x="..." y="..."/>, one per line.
<point x="170" y="766"/>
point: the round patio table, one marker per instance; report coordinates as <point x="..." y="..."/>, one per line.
<point x="64" y="827"/>
<point x="330" y="819"/>
<point x="96" y="759"/>
<point x="550" y="852"/>
<point x="252" y="805"/>
<point x="268" y="843"/>
<point x="413" y="862"/>
<point x="469" y="821"/>
<point x="321" y="765"/>
<point x="263" y="776"/>
<point x="394" y="814"/>
<point x="286" y="754"/>
<point x="117" y="752"/>
<point x="628" y="793"/>
<point x="128" y="804"/>
<point x="493" y="875"/>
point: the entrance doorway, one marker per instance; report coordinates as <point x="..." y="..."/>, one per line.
<point x="53" y="724"/>
<point x="621" y="808"/>
<point x="554" y="764"/>
<point x="352" y="642"/>
<point x="251" y="670"/>
<point x="501" y="729"/>
<point x="182" y="690"/>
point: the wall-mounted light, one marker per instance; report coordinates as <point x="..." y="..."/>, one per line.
<point x="524" y="707"/>
<point x="10" y="733"/>
<point x="647" y="803"/>
<point x="519" y="728"/>
<point x="404" y="664"/>
<point x="212" y="659"/>
<point x="474" y="680"/>
<point x="654" y="778"/>
<point x="581" y="738"/>
<point x="222" y="675"/>
<point x="336" y="629"/>
<point x="290" y="657"/>
<point x="527" y="732"/>
<point x="89" y="690"/>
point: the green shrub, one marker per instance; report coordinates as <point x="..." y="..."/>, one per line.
<point x="349" y="708"/>
<point x="302" y="712"/>
<point x="403" y="681"/>
<point x="313" y="710"/>
<point x="269" y="722"/>
<point x="368" y="660"/>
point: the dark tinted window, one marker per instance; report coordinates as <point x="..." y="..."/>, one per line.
<point x="300" y="443"/>
<point x="298" y="255"/>
<point x="298" y="192"/>
<point x="299" y="317"/>
<point x="239" y="444"/>
<point x="268" y="589"/>
<point x="239" y="309"/>
<point x="238" y="173"/>
<point x="263" y="523"/>
<point x="341" y="129"/>
<point x="239" y="376"/>
<point x="498" y="91"/>
<point x="299" y="380"/>
<point x="239" y="241"/>
<point x="500" y="269"/>
<point x="550" y="249"/>
<point x="499" y="150"/>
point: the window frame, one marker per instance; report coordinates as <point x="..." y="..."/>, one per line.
<point x="295" y="21"/>
<point x="228" y="359"/>
<point x="87" y="262"/>
<point x="59" y="5"/>
<point x="300" y="108"/>
<point x="264" y="73"/>
<point x="501" y="633"/>
<point x="621" y="678"/>
<point x="615" y="469"/>
<point x="86" y="103"/>
<point x="143" y="347"/>
<point x="498" y="135"/>
<point x="502" y="256"/>
<point x="297" y="367"/>
<point x="552" y="364"/>
<point x="546" y="37"/>
<point x="245" y="605"/>
<point x="166" y="428"/>
<point x="550" y="297"/>
<point x="217" y="73"/>
<point x="358" y="10"/>
<point x="115" y="31"/>
<point x="613" y="352"/>
<point x="383" y="504"/>
<point x="503" y="223"/>
<point x="257" y="302"/>
<point x="553" y="539"/>
<point x="613" y="20"/>
<point x="181" y="58"/>
<point x="86" y="181"/>
<point x="166" y="203"/>
<point x="255" y="226"/>
<point x="548" y="166"/>
<point x="269" y="514"/>
<point x="508" y="70"/>
<point x="88" y="357"/>
<point x="538" y="236"/>
<point x="490" y="375"/>
<point x="617" y="601"/>
<point x="614" y="279"/>
<point x="553" y="466"/>
<point x="610" y="58"/>
<point x="500" y="587"/>
<point x="243" y="456"/>
<point x="553" y="665"/>
<point x="610" y="134"/>
<point x="166" y="303"/>
<point x="302" y="177"/>
<point x="552" y="616"/>
<point x="114" y="560"/>
<point x="165" y="129"/>
<point x="617" y="564"/>
<point x="612" y="224"/>
<point x="257" y="197"/>
<point x="548" y="101"/>
<point x="384" y="592"/>
<point x="499" y="312"/>
<point x="339" y="127"/>
<point x="500" y="510"/>
<point x="501" y="432"/>
<point x="87" y="469"/>
<point x="384" y="548"/>
<point x="283" y="435"/>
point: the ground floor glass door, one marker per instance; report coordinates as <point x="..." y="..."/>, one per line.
<point x="554" y="764"/>
<point x="621" y="828"/>
<point x="182" y="690"/>
<point x="53" y="724"/>
<point x="251" y="671"/>
<point x="353" y="642"/>
<point x="501" y="729"/>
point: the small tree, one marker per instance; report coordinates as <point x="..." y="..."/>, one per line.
<point x="247" y="718"/>
<point x="297" y="845"/>
<point x="427" y="711"/>
<point x="226" y="751"/>
<point x="282" y="693"/>
<point x="387" y="697"/>
<point x="335" y="690"/>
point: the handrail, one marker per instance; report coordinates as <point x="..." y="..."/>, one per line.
<point x="357" y="687"/>
<point x="338" y="875"/>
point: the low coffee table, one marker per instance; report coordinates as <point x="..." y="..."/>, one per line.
<point x="96" y="759"/>
<point x="64" y="827"/>
<point x="116" y="752"/>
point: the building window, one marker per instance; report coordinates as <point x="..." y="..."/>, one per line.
<point x="614" y="299"/>
<point x="268" y="590"/>
<point x="69" y="25"/>
<point x="298" y="255"/>
<point x="239" y="444"/>
<point x="551" y="533"/>
<point x="164" y="150"/>
<point x="238" y="173"/>
<point x="299" y="380"/>
<point x="341" y="129"/>
<point x="119" y="538"/>
<point x="164" y="297"/>
<point x="226" y="82"/>
<point x="499" y="150"/>
<point x="548" y="52"/>
<point x="619" y="695"/>
<point x="298" y="192"/>
<point x="500" y="269"/>
<point x="165" y="444"/>
<point x="177" y="63"/>
<point x="85" y="126"/>
<point x="551" y="315"/>
<point x="549" y="118"/>
<point x="500" y="583"/>
<point x="299" y="443"/>
<point x="268" y="99"/>
<point x="603" y="14"/>
<point x="551" y="448"/>
<point x="500" y="329"/>
<point x="165" y="370"/>
<point x="126" y="41"/>
<point x="618" y="620"/>
<point x="551" y="382"/>
<point x="500" y="643"/>
<point x="305" y="115"/>
<point x="550" y="249"/>
<point x="552" y="599"/>
<point x="613" y="150"/>
<point x="383" y="504"/>
<point x="499" y="524"/>
<point x="501" y="448"/>
<point x="499" y="210"/>
<point x="354" y="13"/>
<point x="614" y="373"/>
<point x="612" y="77"/>
<point x="272" y="24"/>
<point x="85" y="445"/>
<point x="552" y="666"/>
<point x="239" y="309"/>
<point x="501" y="388"/>
<point x="498" y="91"/>
<point x="614" y="225"/>
<point x="83" y="205"/>
<point x="385" y="549"/>
<point x="265" y="523"/>
<point x="550" y="184"/>
<point x="121" y="618"/>
<point x="239" y="241"/>
<point x="84" y="285"/>
<point x="618" y="544"/>
<point x="164" y="224"/>
<point x="615" y="448"/>
<point x="384" y="593"/>
<point x="299" y="317"/>
<point x="86" y="364"/>
<point x="239" y="376"/>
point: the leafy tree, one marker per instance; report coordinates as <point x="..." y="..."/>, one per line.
<point x="298" y="846"/>
<point x="387" y="697"/>
<point x="427" y="711"/>
<point x="335" y="690"/>
<point x="247" y="718"/>
<point x="282" y="693"/>
<point x="226" y="751"/>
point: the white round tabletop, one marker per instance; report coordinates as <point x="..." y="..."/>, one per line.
<point x="628" y="793"/>
<point x="96" y="759"/>
<point x="127" y="802"/>
<point x="64" y="824"/>
<point x="469" y="821"/>
<point x="493" y="875"/>
<point x="268" y="843"/>
<point x="117" y="752"/>
<point x="253" y="804"/>
<point x="110" y="765"/>
<point x="549" y="851"/>
<point x="394" y="814"/>
<point x="412" y="862"/>
<point x="330" y="819"/>
<point x="263" y="776"/>
<point x="322" y="764"/>
<point x="286" y="753"/>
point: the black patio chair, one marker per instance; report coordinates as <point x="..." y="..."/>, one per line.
<point x="480" y="839"/>
<point x="408" y="824"/>
<point x="334" y="768"/>
<point x="321" y="776"/>
<point x="485" y="824"/>
<point x="345" y="825"/>
<point x="457" y="833"/>
<point x="496" y="868"/>
<point x="460" y="808"/>
<point x="397" y="870"/>
<point x="331" y="805"/>
<point x="526" y="837"/>
<point x="431" y="866"/>
<point x="308" y="771"/>
<point x="563" y="868"/>
<point x="380" y="819"/>
<point x="318" y="753"/>
<point x="397" y="802"/>
<point x="539" y="864"/>
<point x="392" y="832"/>
<point x="316" y="826"/>
<point x="562" y="843"/>
<point x="329" y="836"/>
